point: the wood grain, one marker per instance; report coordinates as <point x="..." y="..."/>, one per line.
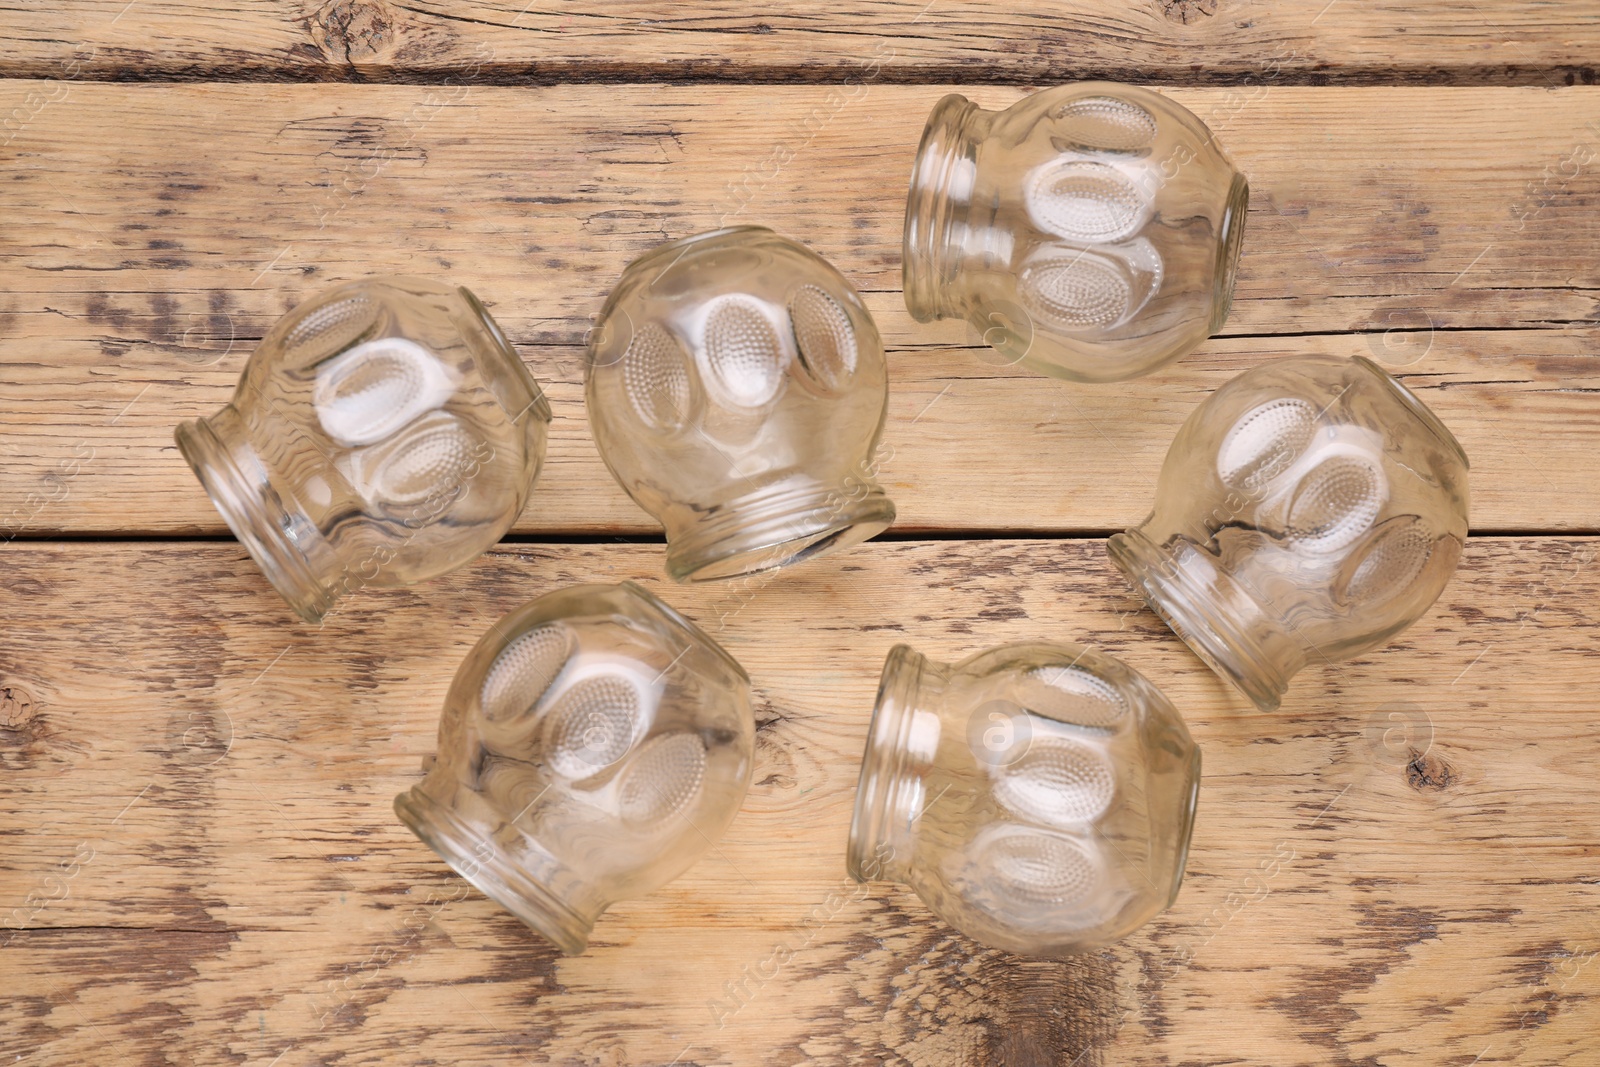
<point x="1438" y="41"/>
<point x="156" y="231"/>
<point x="196" y="805"/>
<point x="198" y="859"/>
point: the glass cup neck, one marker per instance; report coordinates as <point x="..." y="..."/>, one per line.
<point x="289" y="550"/>
<point x="564" y="919"/>
<point x="889" y="795"/>
<point x="1217" y="618"/>
<point x="779" y="524"/>
<point x="938" y="204"/>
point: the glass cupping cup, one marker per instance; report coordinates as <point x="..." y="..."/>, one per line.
<point x="1309" y="510"/>
<point x="1038" y="797"/>
<point x="593" y="745"/>
<point x="1090" y="232"/>
<point x="383" y="432"/>
<point x="737" y="388"/>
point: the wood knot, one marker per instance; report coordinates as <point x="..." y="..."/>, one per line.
<point x="1188" y="11"/>
<point x="17" y="706"/>
<point x="352" y="30"/>
<point x="1426" y="772"/>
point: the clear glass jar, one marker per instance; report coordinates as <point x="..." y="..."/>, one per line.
<point x="383" y="432"/>
<point x="1090" y="232"/>
<point x="1038" y="797"/>
<point x="737" y="390"/>
<point x="594" y="744"/>
<point x="1308" y="510"/>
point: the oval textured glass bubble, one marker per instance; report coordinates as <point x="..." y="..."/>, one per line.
<point x="1033" y="869"/>
<point x="1068" y="695"/>
<point x="1057" y="782"/>
<point x="1107" y="212"/>
<point x="656" y="379"/>
<point x="328" y="328"/>
<point x="1336" y="503"/>
<point x="592" y="725"/>
<point x="1265" y="443"/>
<point x="1308" y="511"/>
<point x="736" y="388"/>
<point x="663" y="780"/>
<point x="1079" y="292"/>
<point x="743" y="353"/>
<point x="524" y="670"/>
<point x="824" y="337"/>
<point x="382" y="433"/>
<point x="1105" y="123"/>
<point x="1391" y="560"/>
<point x="1087" y="202"/>
<point x="593" y="745"/>
<point x="371" y="391"/>
<point x="1049" y="825"/>
<point x="427" y="463"/>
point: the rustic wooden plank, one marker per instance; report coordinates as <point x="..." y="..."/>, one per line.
<point x="968" y="445"/>
<point x="1525" y="42"/>
<point x="155" y="232"/>
<point x="196" y="793"/>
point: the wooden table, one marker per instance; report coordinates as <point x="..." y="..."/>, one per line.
<point x="200" y="863"/>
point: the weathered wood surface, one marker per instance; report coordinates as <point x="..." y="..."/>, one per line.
<point x="198" y="861"/>
<point x="1520" y="41"/>
<point x="153" y="232"/>
<point x="198" y="839"/>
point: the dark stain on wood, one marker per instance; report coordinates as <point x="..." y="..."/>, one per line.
<point x="156" y="966"/>
<point x="1397" y="928"/>
<point x="1545" y="972"/>
<point x="945" y="999"/>
<point x="163" y="316"/>
<point x="1325" y="1000"/>
<point x="102" y="312"/>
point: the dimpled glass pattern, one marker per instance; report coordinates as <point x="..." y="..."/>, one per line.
<point x="593" y="745"/>
<point x="1090" y="232"/>
<point x="383" y="432"/>
<point x="737" y="388"/>
<point x="1038" y="797"/>
<point x="1308" y="511"/>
